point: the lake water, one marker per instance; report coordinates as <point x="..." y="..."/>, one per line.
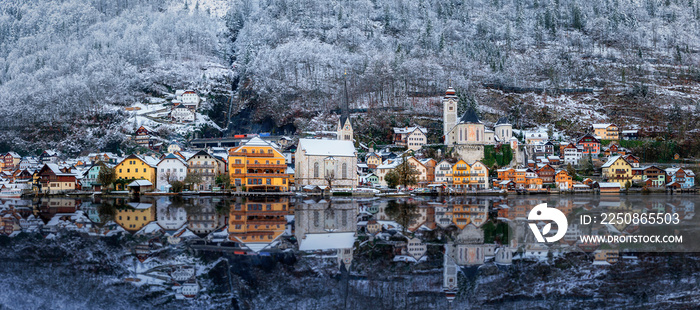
<point x="273" y="252"/>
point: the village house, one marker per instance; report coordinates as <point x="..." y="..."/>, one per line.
<point x="589" y="144"/>
<point x="606" y="132"/>
<point x="631" y="134"/>
<point x="189" y="99"/>
<point x="258" y="165"/>
<point x="633" y="160"/>
<point x="207" y="167"/>
<point x="48" y="156"/>
<point x="649" y="176"/>
<point x="546" y="173"/>
<point x="443" y="172"/>
<point x="478" y="176"/>
<point x="537" y="138"/>
<point x="685" y="178"/>
<point x="617" y="170"/>
<point x="412" y="137"/>
<point x="373" y="160"/>
<point x="142" y="136"/>
<point x="460" y="175"/>
<point x="53" y="180"/>
<point x="564" y="181"/>
<point x="171" y="168"/>
<point x="135" y="167"/>
<point x="416" y="248"/>
<point x="11" y="161"/>
<point x="182" y="114"/>
<point x="572" y="154"/>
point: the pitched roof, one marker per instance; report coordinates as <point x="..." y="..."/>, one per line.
<point x="602" y="126"/>
<point x="173" y="156"/>
<point x="502" y="121"/>
<point x="610" y="161"/>
<point x="404" y="130"/>
<point x="327" y="147"/>
<point x="470" y="116"/>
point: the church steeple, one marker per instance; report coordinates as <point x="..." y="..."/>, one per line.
<point x="345" y="131"/>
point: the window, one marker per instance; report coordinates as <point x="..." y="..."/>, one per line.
<point x="345" y="171"/>
<point x="316" y="170"/>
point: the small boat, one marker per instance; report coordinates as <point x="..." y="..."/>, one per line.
<point x="11" y="193"/>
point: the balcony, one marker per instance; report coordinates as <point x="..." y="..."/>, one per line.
<point x="267" y="175"/>
<point x="461" y="167"/>
<point x="252" y="154"/>
<point x="203" y="166"/>
<point x="237" y="165"/>
<point x="267" y="166"/>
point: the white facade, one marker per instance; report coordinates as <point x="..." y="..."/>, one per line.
<point x="416" y="140"/>
<point x="416" y="248"/>
<point x="190" y="99"/>
<point x="449" y="113"/>
<point x="182" y="114"/>
<point x="443" y="172"/>
<point x="317" y="161"/>
<point x="572" y="155"/>
<point x="170" y="168"/>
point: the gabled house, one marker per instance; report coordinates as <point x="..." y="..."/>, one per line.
<point x="49" y="156"/>
<point x="11" y="161"/>
<point x="606" y="131"/>
<point x="443" y="172"/>
<point x="135" y="167"/>
<point x="572" y="154"/>
<point x="589" y="144"/>
<point x="171" y="168"/>
<point x="373" y="160"/>
<point x="650" y="176"/>
<point x="182" y="114"/>
<point x="412" y="137"/>
<point x="546" y="173"/>
<point x="617" y="170"/>
<point x="53" y="181"/>
<point x="684" y="177"/>
<point x="479" y="176"/>
<point x="563" y="180"/>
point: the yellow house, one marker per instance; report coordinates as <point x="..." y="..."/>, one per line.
<point x="135" y="167"/>
<point x="373" y="160"/>
<point x="617" y="170"/>
<point x="460" y="174"/>
<point x="135" y="216"/>
<point x="257" y="165"/>
<point x="606" y="131"/>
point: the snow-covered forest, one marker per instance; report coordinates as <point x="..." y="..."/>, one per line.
<point x="63" y="63"/>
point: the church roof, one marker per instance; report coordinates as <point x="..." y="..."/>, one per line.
<point x="470" y="117"/>
<point x="502" y="121"/>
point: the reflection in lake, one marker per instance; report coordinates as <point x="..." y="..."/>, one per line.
<point x="447" y="234"/>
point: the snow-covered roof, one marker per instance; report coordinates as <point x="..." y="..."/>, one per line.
<point x="610" y="161"/>
<point x="328" y="241"/>
<point x="327" y="147"/>
<point x="405" y="130"/>
<point x="140" y="183"/>
<point x="609" y="185"/>
<point x="601" y="126"/>
<point x="175" y="157"/>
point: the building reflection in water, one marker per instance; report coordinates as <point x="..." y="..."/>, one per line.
<point x="325" y="227"/>
<point x="258" y="223"/>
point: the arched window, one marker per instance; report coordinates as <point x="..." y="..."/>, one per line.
<point x="316" y="170"/>
<point x="345" y="171"/>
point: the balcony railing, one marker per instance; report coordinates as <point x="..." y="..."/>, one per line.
<point x="267" y="166"/>
<point x="237" y="165"/>
<point x="267" y="175"/>
<point x="252" y="154"/>
<point x="202" y="166"/>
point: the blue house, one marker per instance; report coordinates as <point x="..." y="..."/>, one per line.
<point x="684" y="177"/>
